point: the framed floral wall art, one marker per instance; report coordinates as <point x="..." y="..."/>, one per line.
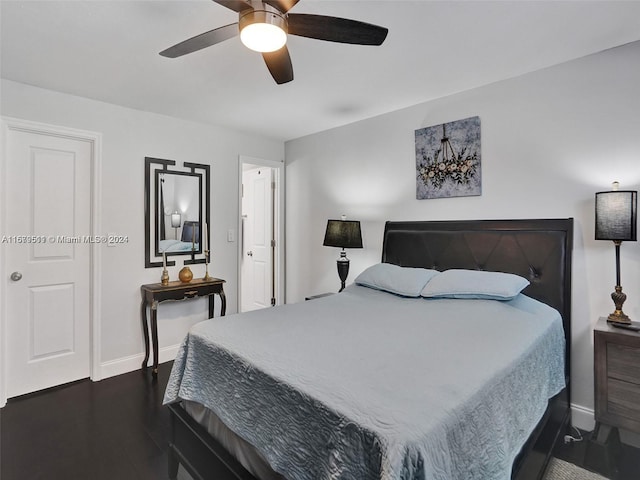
<point x="448" y="160"/>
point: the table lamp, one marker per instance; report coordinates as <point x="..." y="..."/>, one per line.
<point x="343" y="233"/>
<point x="176" y="221"/>
<point x="616" y="220"/>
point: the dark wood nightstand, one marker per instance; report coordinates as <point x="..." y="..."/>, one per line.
<point x="617" y="379"/>
<point x="154" y="293"/>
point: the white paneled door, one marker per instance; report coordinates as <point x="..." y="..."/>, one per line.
<point x="258" y="231"/>
<point x="48" y="260"/>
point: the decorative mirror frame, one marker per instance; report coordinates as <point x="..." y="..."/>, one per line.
<point x="153" y="168"/>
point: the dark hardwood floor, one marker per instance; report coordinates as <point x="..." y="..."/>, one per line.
<point x="614" y="460"/>
<point x="118" y="429"/>
<point x="113" y="429"/>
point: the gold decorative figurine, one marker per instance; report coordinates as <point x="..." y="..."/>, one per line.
<point x="164" y="278"/>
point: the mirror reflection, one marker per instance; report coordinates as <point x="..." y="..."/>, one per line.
<point x="176" y="211"/>
<point x="179" y="212"/>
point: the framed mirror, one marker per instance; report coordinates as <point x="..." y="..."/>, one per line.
<point x="176" y="211"/>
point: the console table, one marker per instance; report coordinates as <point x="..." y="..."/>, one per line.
<point x="155" y="293"/>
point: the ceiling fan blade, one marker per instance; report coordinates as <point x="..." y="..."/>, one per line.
<point x="283" y="5"/>
<point x="279" y="64"/>
<point x="334" y="29"/>
<point x="235" y="5"/>
<point x="201" y="41"/>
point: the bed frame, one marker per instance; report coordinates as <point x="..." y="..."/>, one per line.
<point x="539" y="250"/>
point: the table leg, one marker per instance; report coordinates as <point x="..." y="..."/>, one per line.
<point x="145" y="330"/>
<point x="599" y="450"/>
<point x="602" y="433"/>
<point x="211" y="305"/>
<point x="154" y="335"/>
<point x="223" y="307"/>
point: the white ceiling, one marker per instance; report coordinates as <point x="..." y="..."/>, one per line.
<point x="108" y="50"/>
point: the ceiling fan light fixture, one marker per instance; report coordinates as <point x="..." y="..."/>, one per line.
<point x="263" y="31"/>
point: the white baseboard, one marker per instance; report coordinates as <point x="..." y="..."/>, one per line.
<point x="582" y="417"/>
<point x="125" y="365"/>
<point x="133" y="362"/>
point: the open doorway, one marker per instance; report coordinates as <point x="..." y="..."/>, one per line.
<point x="261" y="230"/>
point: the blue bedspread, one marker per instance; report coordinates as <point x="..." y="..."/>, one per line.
<point x="366" y="385"/>
<point x="178" y="246"/>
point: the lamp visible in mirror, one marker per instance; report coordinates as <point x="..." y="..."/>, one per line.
<point x="616" y="220"/>
<point x="343" y="233"/>
<point x="176" y="221"/>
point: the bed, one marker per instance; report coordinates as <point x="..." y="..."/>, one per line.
<point x="189" y="240"/>
<point x="357" y="431"/>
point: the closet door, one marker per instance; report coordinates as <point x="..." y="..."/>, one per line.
<point x="48" y="260"/>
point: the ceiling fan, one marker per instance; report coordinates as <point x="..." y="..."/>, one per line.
<point x="263" y="26"/>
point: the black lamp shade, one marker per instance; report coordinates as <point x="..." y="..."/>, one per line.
<point x="616" y="215"/>
<point x="343" y="234"/>
<point x="191" y="231"/>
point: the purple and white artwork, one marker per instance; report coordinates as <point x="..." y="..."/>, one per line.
<point x="448" y="160"/>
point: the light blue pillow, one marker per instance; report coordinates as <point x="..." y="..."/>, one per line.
<point x="474" y="284"/>
<point x="405" y="281"/>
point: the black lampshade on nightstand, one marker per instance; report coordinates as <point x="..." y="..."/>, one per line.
<point x="616" y="220"/>
<point x="344" y="234"/>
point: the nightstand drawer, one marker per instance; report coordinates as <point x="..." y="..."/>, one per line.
<point x="623" y="399"/>
<point x="616" y="359"/>
<point x="623" y="362"/>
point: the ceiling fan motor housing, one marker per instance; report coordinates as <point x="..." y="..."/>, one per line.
<point x="263" y="13"/>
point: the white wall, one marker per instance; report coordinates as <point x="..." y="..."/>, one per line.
<point x="127" y="137"/>
<point x="550" y="140"/>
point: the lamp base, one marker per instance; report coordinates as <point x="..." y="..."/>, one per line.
<point x="343" y="269"/>
<point x="618" y="315"/>
<point x="634" y="326"/>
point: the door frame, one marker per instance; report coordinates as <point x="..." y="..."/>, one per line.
<point x="9" y="124"/>
<point x="279" y="264"/>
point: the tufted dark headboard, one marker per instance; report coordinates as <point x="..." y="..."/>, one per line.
<point x="539" y="250"/>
